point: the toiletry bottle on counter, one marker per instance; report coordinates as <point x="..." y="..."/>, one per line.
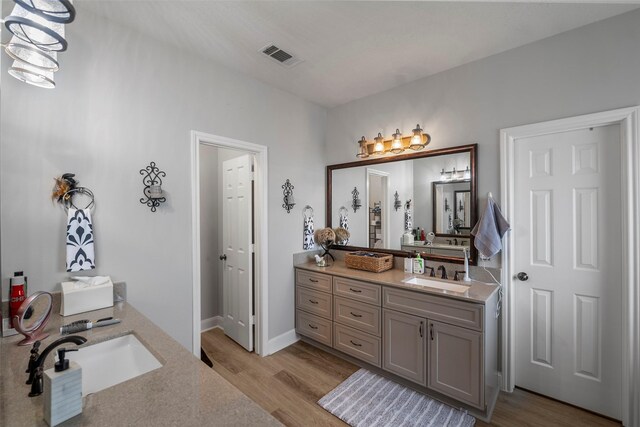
<point x="408" y="265"/>
<point x="418" y="265"/>
<point x="17" y="294"/>
<point x="62" y="390"/>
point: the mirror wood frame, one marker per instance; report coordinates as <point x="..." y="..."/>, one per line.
<point x="472" y="149"/>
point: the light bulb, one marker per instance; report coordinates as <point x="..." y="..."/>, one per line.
<point x="378" y="147"/>
<point x="396" y="145"/>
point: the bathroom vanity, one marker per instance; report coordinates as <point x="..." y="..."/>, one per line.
<point x="439" y="339"/>
<point x="183" y="391"/>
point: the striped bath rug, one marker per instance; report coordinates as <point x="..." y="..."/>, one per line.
<point x="367" y="399"/>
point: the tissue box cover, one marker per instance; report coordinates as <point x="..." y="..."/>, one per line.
<point x="80" y="299"/>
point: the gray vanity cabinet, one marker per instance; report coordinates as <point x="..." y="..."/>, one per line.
<point x="404" y="345"/>
<point x="455" y="362"/>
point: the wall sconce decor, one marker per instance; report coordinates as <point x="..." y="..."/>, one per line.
<point x="455" y="175"/>
<point x="152" y="181"/>
<point x="397" y="204"/>
<point x="447" y="208"/>
<point x="396" y="145"/>
<point x="287" y="191"/>
<point x="357" y="203"/>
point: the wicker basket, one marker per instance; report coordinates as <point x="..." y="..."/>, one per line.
<point x="369" y="261"/>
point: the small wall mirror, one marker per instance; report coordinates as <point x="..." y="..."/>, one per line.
<point x="441" y="185"/>
<point x="32" y="317"/>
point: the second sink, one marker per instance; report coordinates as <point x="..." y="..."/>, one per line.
<point x="436" y="284"/>
<point x="112" y="362"/>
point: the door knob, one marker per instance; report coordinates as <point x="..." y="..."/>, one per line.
<point x="522" y="276"/>
<point x="223" y="257"/>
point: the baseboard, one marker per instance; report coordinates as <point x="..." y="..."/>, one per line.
<point x="210" y="323"/>
<point x="282" y="341"/>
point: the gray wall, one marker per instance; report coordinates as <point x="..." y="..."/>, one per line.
<point x="122" y="101"/>
<point x="590" y="69"/>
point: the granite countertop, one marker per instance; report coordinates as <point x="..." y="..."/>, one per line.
<point x="479" y="292"/>
<point x="184" y="391"/>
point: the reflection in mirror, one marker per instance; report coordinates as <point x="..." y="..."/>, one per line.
<point x="440" y="187"/>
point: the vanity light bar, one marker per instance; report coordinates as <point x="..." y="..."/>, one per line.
<point x="396" y="145"/>
<point x="455" y="175"/>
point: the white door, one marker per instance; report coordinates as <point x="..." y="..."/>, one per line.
<point x="568" y="242"/>
<point x="237" y="276"/>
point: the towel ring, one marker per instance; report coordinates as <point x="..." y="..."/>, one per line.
<point x="304" y="211"/>
<point x="343" y="211"/>
<point x="68" y="197"/>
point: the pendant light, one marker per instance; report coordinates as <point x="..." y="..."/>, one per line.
<point x="31" y="55"/>
<point x="61" y="11"/>
<point x="35" y="29"/>
<point x="396" y="144"/>
<point x="378" y="146"/>
<point x="32" y="75"/>
<point x="362" y="149"/>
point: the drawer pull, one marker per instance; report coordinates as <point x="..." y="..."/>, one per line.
<point x="431" y="332"/>
<point x="356" y="315"/>
<point x="313" y="280"/>
<point x="312" y="327"/>
<point x="313" y="302"/>
<point x="357" y="291"/>
<point x="355" y="343"/>
<point x="421" y="329"/>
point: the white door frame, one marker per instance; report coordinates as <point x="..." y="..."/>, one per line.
<point x="628" y="120"/>
<point x="261" y="221"/>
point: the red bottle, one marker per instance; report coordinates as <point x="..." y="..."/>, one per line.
<point x="422" y="236"/>
<point x="16" y="294"/>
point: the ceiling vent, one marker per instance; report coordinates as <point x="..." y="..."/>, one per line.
<point x="283" y="58"/>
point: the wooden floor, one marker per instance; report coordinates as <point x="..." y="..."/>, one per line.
<point x="288" y="384"/>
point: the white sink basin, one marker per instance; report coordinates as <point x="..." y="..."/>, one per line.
<point x="438" y="285"/>
<point x="112" y="362"/>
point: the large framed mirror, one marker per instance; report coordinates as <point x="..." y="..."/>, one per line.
<point x="405" y="198"/>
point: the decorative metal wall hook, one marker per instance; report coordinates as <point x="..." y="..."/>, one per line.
<point x="357" y="203"/>
<point x="287" y="191"/>
<point x="397" y="204"/>
<point x="152" y="181"/>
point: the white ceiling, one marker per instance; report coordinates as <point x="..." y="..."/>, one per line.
<point x="350" y="49"/>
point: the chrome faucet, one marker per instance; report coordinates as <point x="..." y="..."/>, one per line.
<point x="36" y="361"/>
<point x="444" y="272"/>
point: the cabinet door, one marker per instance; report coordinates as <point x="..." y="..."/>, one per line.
<point x="404" y="343"/>
<point x="455" y="362"/>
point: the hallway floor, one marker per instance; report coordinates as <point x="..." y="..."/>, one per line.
<point x="287" y="385"/>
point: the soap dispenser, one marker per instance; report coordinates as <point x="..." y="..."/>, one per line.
<point x="62" y="390"/>
<point x="418" y="264"/>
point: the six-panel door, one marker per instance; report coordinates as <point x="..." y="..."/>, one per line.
<point x="404" y="345"/>
<point x="455" y="363"/>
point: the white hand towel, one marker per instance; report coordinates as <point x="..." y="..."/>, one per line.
<point x="489" y="230"/>
<point x="80" y="252"/>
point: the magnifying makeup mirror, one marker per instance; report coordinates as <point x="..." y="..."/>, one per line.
<point x="32" y="317"/>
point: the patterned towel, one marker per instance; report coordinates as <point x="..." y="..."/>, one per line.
<point x="80" y="252"/>
<point x="344" y="223"/>
<point x="307" y="242"/>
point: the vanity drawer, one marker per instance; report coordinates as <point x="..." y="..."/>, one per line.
<point x="321" y="282"/>
<point x="357" y="344"/>
<point x="314" y="302"/>
<point x="465" y="314"/>
<point x="356" y="314"/>
<point x="314" y="327"/>
<point x="354" y="289"/>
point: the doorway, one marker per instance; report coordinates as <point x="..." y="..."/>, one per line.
<point x="570" y="192"/>
<point x="377" y="202"/>
<point x="229" y="228"/>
